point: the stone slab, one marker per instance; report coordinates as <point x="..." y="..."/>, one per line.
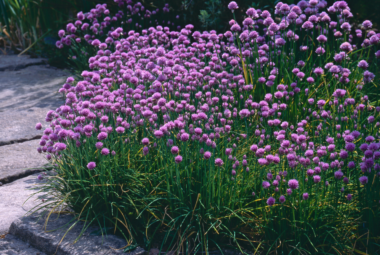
<point x="13" y="197"/>
<point x="31" y="230"/>
<point x="15" y="62"/>
<point x="11" y="245"/>
<point x="20" y="159"/>
<point x="25" y="97"/>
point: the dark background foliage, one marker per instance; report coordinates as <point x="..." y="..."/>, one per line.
<point x="32" y="26"/>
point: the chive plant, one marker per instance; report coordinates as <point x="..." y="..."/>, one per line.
<point x="258" y="139"/>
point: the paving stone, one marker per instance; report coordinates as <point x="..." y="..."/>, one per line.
<point x="32" y="230"/>
<point x="15" y="62"/>
<point x="11" y="245"/>
<point x="20" y="159"/>
<point x="25" y="97"/>
<point x="12" y="200"/>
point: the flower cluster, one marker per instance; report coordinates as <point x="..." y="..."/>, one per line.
<point x="273" y="108"/>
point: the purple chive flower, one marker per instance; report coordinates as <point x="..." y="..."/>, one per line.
<point x="120" y="130"/>
<point x="316" y="178"/>
<point x="367" y="24"/>
<point x="363" y="64"/>
<point x="145" y="141"/>
<point x="207" y="155"/>
<point x="253" y="194"/>
<point x="38" y="126"/>
<point x="60" y="146"/>
<point x="350" y="147"/>
<point x="185" y="137"/>
<point x="338" y="175"/>
<point x="233" y="6"/>
<point x="99" y="145"/>
<point x="91" y="165"/>
<point x="305" y="196"/>
<point x="102" y="136"/>
<point x="349" y="197"/>
<point x="271" y="201"/>
<point x="219" y="162"/>
<point x="174" y="150"/>
<point x="282" y="199"/>
<point x="293" y="184"/>
<point x="178" y="159"/>
<point x="105" y="151"/>
<point x="40" y="177"/>
<point x="363" y="180"/>
<point x="266" y="184"/>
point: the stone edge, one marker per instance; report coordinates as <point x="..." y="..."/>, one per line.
<point x="21" y="140"/>
<point x="30" y="229"/>
<point x="24" y="173"/>
<point x="22" y="66"/>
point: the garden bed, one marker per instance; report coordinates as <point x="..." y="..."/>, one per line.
<point x="265" y="137"/>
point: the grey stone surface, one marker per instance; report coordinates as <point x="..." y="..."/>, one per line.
<point x="20" y="159"/>
<point x="11" y="245"/>
<point x="25" y="97"/>
<point x="15" y="62"/>
<point x="31" y="229"/>
<point x="12" y="198"/>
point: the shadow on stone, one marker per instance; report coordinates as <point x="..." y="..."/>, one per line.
<point x="31" y="229"/>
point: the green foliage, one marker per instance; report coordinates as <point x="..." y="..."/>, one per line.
<point x="211" y="17"/>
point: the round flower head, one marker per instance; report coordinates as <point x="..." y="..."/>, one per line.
<point x="293" y="184"/>
<point x="105" y="151"/>
<point x="363" y="180"/>
<point x="185" y="137"/>
<point x="219" y="162"/>
<point x="346" y="46"/>
<point x="316" y="178"/>
<point x="174" y="150"/>
<point x="38" y="126"/>
<point x="102" y="136"/>
<point x="91" y="165"/>
<point x="60" y="146"/>
<point x="305" y="196"/>
<point x="338" y="175"/>
<point x="318" y="71"/>
<point x="363" y="64"/>
<point x="178" y="159"/>
<point x="367" y="24"/>
<point x="266" y="184"/>
<point x="207" y="155"/>
<point x="271" y="201"/>
<point x="350" y="147"/>
<point x="40" y="177"/>
<point x="233" y="6"/>
<point x="349" y="197"/>
<point x="282" y="199"/>
<point x="145" y="141"/>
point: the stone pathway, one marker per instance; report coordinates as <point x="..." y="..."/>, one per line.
<point x="11" y="245"/>
<point x="28" y="90"/>
<point x="12" y="200"/>
<point x="26" y="96"/>
<point x="19" y="160"/>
